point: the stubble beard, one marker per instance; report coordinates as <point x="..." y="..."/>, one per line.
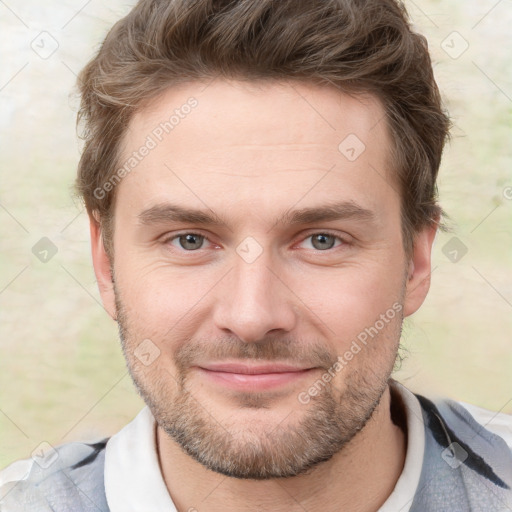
<point x="308" y="435"/>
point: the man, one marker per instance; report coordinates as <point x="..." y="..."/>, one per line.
<point x="260" y="179"/>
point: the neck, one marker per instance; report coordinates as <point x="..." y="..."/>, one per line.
<point x="359" y="478"/>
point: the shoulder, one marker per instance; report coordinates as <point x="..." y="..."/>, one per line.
<point x="68" y="477"/>
<point x="498" y="423"/>
<point x="471" y="422"/>
<point x="473" y="441"/>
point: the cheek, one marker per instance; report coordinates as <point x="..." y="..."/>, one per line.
<point x="162" y="303"/>
<point x="343" y="302"/>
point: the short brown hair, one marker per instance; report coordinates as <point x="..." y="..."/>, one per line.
<point x="359" y="46"/>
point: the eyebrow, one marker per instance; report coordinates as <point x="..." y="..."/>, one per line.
<point x="167" y="212"/>
<point x="338" y="211"/>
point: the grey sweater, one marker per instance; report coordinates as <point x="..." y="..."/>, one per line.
<point x="466" y="468"/>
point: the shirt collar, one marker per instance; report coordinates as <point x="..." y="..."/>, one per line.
<point x="134" y="482"/>
<point x="406" y="486"/>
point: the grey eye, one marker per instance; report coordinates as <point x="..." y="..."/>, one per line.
<point x="323" y="241"/>
<point x="191" y="241"/>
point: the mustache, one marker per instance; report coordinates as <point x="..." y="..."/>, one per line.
<point x="272" y="349"/>
<point x="275" y="348"/>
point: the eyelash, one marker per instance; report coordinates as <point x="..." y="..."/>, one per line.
<point x="343" y="241"/>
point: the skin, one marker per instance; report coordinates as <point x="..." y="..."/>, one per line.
<point x="249" y="153"/>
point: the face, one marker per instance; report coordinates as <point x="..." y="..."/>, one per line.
<point x="262" y="229"/>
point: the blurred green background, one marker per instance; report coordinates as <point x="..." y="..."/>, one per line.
<point x="62" y="375"/>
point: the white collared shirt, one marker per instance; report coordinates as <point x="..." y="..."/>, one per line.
<point x="134" y="482"/>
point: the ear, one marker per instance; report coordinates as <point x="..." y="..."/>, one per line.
<point x="418" y="277"/>
<point x="102" y="267"/>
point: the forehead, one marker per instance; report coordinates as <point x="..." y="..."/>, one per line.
<point x="258" y="144"/>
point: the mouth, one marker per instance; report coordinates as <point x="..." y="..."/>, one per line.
<point x="246" y="377"/>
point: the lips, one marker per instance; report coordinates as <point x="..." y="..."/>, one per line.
<point x="244" y="377"/>
<point x="252" y="369"/>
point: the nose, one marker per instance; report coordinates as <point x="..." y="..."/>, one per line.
<point x="254" y="301"/>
